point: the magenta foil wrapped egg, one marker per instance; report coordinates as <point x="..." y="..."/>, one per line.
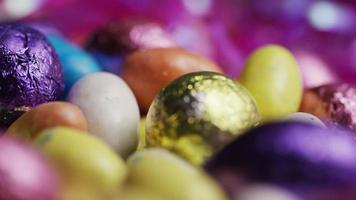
<point x="30" y="72"/>
<point x="335" y="103"/>
<point x="24" y="174"/>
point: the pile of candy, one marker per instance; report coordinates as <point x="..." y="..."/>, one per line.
<point x="132" y="115"/>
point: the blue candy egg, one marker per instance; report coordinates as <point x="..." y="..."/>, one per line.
<point x="76" y="63"/>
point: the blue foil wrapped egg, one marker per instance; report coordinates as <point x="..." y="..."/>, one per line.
<point x="76" y="63"/>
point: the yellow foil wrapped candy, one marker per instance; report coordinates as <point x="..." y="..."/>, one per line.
<point x="198" y="114"/>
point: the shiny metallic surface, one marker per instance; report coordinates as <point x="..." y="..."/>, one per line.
<point x="335" y="103"/>
<point x="198" y="114"/>
<point x="30" y="73"/>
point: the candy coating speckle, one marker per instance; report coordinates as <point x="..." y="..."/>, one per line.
<point x="110" y="108"/>
<point x="305" y="118"/>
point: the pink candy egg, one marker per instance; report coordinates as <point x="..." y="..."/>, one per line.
<point x="24" y="174"/>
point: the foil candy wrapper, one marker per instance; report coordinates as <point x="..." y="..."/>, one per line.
<point x="30" y="72"/>
<point x="334" y="103"/>
<point x="198" y="114"/>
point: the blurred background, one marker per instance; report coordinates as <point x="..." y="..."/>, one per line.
<point x="322" y="34"/>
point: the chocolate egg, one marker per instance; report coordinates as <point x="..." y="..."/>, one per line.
<point x="30" y="73"/>
<point x="86" y="166"/>
<point x="299" y="156"/>
<point x="124" y="37"/>
<point x="76" y="63"/>
<point x="305" y="118"/>
<point x="148" y="71"/>
<point x="161" y="172"/>
<point x="45" y="116"/>
<point x="110" y="108"/>
<point x="333" y="103"/>
<point x="272" y="76"/>
<point x="198" y="114"/>
<point x="25" y="174"/>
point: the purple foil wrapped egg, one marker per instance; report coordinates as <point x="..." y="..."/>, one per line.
<point x="24" y="174"/>
<point x="307" y="159"/>
<point x="30" y="73"/>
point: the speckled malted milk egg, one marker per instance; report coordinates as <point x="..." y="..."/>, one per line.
<point x="199" y="113"/>
<point x="110" y="108"/>
<point x="305" y="118"/>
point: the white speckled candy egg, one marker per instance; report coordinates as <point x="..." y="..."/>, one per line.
<point x="305" y="117"/>
<point x="110" y="108"/>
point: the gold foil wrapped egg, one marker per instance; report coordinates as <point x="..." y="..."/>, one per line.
<point x="199" y="113"/>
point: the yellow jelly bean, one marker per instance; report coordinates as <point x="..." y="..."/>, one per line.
<point x="85" y="164"/>
<point x="272" y="76"/>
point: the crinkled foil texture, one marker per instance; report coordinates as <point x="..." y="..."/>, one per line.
<point x="341" y="101"/>
<point x="30" y="72"/>
<point x="338" y="102"/>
